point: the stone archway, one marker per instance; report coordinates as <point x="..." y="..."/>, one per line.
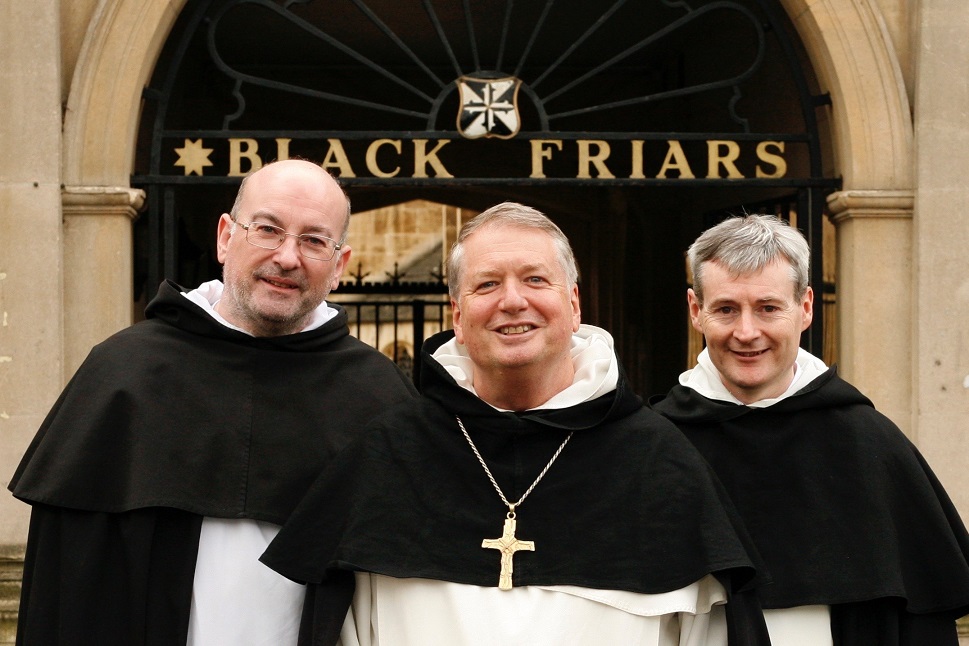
<point x="871" y="147"/>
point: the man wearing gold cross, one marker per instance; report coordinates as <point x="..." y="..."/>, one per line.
<point x="614" y="530"/>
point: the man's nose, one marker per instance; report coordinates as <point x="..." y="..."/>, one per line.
<point x="747" y="328"/>
<point x="288" y="255"/>
<point x="512" y="297"/>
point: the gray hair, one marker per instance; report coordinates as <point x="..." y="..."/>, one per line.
<point x="234" y="213"/>
<point x="514" y="215"/>
<point x="747" y="244"/>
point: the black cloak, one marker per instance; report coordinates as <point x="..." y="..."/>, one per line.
<point x="173" y="419"/>
<point x="628" y="505"/>
<point x="842" y="507"/>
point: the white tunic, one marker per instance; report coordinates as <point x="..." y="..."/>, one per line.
<point x="235" y="598"/>
<point x="411" y="612"/>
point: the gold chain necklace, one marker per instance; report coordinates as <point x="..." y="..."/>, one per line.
<point x="508" y="544"/>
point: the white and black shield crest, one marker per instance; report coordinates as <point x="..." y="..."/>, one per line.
<point x="489" y="107"/>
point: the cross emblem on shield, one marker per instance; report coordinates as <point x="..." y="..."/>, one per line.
<point x="489" y="107"/>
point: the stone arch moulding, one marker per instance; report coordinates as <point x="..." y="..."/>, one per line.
<point x="851" y="51"/>
<point x="846" y="40"/>
<point x="124" y="40"/>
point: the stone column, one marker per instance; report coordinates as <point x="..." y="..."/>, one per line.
<point x="875" y="296"/>
<point x="98" y="266"/>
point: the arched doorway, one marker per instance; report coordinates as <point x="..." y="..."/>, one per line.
<point x="634" y="126"/>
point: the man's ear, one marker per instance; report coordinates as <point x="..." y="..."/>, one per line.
<point x="342" y="262"/>
<point x="224" y="232"/>
<point x="576" y="308"/>
<point x="456" y="321"/>
<point x="695" y="308"/>
<point x="807" y="309"/>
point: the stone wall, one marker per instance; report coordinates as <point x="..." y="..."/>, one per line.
<point x="403" y="235"/>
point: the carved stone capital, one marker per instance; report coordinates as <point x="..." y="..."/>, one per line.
<point x="102" y="200"/>
<point x="853" y="204"/>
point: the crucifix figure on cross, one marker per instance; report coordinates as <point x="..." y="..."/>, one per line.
<point x="507" y="545"/>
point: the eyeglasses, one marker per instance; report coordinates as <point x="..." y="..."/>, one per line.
<point x="267" y="236"/>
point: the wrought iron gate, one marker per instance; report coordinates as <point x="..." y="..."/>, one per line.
<point x="396" y="318"/>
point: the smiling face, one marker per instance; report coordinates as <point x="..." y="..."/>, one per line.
<point x="271" y="292"/>
<point x="752" y="325"/>
<point x="516" y="310"/>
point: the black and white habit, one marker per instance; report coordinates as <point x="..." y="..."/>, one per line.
<point x="633" y="543"/>
<point x="175" y="428"/>
<point x="861" y="541"/>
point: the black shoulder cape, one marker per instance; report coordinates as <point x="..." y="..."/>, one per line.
<point x="179" y="411"/>
<point x="173" y="419"/>
<point x="628" y="505"/>
<point x="842" y="506"/>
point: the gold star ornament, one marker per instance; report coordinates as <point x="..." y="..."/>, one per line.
<point x="193" y="157"/>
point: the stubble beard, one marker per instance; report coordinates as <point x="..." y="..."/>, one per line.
<point x="269" y="321"/>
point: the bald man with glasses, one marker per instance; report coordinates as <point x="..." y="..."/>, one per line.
<point x="183" y="442"/>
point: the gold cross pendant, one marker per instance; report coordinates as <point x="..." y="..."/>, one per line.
<point x="507" y="545"/>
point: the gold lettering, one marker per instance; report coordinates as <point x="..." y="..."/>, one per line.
<point x="540" y="151"/>
<point x="715" y="159"/>
<point x="586" y="157"/>
<point x="240" y="149"/>
<point x="675" y="160"/>
<point x="372" y="157"/>
<point x="637" y="160"/>
<point x="282" y="148"/>
<point x="422" y="158"/>
<point x="336" y="157"/>
<point x="779" y="163"/>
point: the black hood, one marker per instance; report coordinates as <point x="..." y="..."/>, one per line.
<point x="841" y="505"/>
<point x="627" y="505"/>
<point x="180" y="411"/>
